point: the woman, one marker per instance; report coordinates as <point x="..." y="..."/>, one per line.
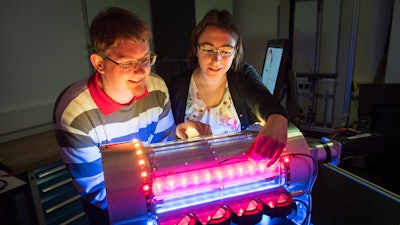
<point x="224" y="92"/>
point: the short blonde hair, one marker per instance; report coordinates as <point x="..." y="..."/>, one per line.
<point x="114" y="24"/>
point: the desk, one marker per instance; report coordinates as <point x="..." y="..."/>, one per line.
<point x="340" y="197"/>
<point x="31" y="152"/>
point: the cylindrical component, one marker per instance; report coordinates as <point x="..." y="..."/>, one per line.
<point x="325" y="151"/>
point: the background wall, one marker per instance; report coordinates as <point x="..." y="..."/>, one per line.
<point x="364" y="34"/>
<point x="44" y="48"/>
<point x="203" y="6"/>
<point x="393" y="65"/>
<point x="258" y="23"/>
<point x="347" y="38"/>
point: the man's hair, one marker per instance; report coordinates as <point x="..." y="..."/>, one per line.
<point x="222" y="19"/>
<point x="114" y="24"/>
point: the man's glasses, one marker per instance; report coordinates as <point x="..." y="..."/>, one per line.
<point x="223" y="51"/>
<point x="130" y="65"/>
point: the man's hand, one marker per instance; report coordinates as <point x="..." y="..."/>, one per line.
<point x="191" y="129"/>
<point x="271" y="140"/>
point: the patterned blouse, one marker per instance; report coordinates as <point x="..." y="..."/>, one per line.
<point x="222" y="118"/>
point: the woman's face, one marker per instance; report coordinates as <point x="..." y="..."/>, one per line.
<point x="215" y="52"/>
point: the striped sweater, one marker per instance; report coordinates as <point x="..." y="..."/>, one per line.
<point x="85" y="118"/>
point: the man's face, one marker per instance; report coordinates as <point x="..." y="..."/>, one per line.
<point x="123" y="85"/>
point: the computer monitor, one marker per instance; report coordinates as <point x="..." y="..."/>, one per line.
<point x="275" y="67"/>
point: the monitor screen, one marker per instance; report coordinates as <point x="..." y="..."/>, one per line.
<point x="275" y="66"/>
<point x="271" y="67"/>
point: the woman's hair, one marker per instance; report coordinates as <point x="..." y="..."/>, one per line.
<point x="222" y="19"/>
<point x="114" y="24"/>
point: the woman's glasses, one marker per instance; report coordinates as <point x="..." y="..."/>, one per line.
<point x="223" y="51"/>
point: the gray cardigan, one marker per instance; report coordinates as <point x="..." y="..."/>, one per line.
<point x="251" y="98"/>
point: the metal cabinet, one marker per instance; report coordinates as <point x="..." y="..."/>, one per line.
<point x="55" y="199"/>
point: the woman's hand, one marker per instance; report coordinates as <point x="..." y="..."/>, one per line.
<point x="271" y="140"/>
<point x="191" y="129"/>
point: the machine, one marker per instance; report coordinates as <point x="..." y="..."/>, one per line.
<point x="209" y="180"/>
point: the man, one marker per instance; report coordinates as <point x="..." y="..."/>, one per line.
<point x="121" y="101"/>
